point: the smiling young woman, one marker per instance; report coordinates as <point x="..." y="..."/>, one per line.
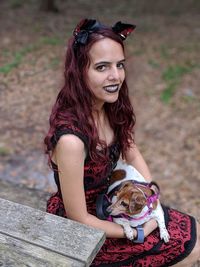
<point x="91" y="127"/>
<point x="106" y="71"/>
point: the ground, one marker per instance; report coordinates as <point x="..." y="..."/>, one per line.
<point x="163" y="77"/>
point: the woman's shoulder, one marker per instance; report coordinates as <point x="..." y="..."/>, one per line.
<point x="67" y="142"/>
<point x="70" y="132"/>
<point x="70" y="143"/>
<point x="69" y="146"/>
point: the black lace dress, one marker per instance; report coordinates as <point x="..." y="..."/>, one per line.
<point x="122" y="252"/>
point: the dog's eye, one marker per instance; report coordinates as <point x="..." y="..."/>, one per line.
<point x="124" y="204"/>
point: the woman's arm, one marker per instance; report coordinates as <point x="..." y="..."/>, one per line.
<point x="134" y="158"/>
<point x="70" y="155"/>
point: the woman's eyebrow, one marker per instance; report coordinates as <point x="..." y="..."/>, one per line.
<point x="108" y="62"/>
<point x="102" y="62"/>
<point x="123" y="60"/>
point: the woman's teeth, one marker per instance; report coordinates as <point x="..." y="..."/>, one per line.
<point x="111" y="89"/>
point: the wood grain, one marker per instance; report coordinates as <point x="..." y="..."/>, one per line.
<point x="32" y="234"/>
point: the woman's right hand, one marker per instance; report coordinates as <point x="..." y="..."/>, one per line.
<point x="149" y="227"/>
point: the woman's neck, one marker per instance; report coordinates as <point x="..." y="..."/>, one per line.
<point x="102" y="124"/>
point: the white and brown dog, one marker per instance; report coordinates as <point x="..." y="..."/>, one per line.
<point x="135" y="200"/>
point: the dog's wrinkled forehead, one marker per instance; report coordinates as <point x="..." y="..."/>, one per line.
<point x="128" y="189"/>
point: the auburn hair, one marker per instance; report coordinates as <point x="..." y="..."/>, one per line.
<point x="73" y="106"/>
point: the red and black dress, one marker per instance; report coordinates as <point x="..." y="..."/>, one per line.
<point x="122" y="252"/>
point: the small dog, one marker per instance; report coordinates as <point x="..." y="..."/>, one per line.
<point x="135" y="200"/>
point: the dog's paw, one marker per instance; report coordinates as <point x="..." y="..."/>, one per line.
<point x="164" y="235"/>
<point x="128" y="231"/>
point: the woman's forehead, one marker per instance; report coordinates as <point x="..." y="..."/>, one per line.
<point x="106" y="50"/>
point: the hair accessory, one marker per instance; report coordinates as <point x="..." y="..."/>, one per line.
<point x="123" y="29"/>
<point x="88" y="26"/>
<point x="84" y="28"/>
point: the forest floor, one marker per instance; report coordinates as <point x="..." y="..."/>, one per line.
<point x="163" y="77"/>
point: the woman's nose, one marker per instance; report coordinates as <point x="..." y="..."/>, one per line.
<point x="114" y="74"/>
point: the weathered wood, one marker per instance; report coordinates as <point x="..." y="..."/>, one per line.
<point x="29" y="237"/>
<point x="15" y="252"/>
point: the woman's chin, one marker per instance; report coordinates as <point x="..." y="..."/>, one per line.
<point x="112" y="98"/>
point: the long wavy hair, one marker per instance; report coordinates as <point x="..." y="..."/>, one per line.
<point x="73" y="106"/>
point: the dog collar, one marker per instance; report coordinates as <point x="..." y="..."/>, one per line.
<point x="148" y="212"/>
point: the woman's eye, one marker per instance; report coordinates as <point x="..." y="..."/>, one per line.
<point x="120" y="65"/>
<point x="101" y="67"/>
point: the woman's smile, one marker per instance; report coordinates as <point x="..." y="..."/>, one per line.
<point x="111" y="88"/>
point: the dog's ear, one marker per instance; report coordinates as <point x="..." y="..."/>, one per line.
<point x="154" y="187"/>
<point x="117" y="176"/>
<point x="126" y="187"/>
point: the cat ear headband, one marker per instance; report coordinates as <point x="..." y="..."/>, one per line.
<point x="88" y="26"/>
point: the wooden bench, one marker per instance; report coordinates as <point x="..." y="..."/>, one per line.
<point x="30" y="237"/>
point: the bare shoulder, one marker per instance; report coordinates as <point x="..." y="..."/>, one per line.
<point x="70" y="143"/>
<point x="69" y="146"/>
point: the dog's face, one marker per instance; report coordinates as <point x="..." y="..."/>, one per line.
<point x="129" y="199"/>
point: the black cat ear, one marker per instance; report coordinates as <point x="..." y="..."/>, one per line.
<point x="84" y="28"/>
<point x="123" y="29"/>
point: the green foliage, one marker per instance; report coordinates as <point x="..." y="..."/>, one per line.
<point x="8" y="67"/>
<point x="172" y="76"/>
<point x="154" y="64"/>
<point x="18" y="56"/>
<point x="4" y="151"/>
<point x="169" y="91"/>
<point x="16" y="3"/>
<point x="51" y="40"/>
<point x="175" y="72"/>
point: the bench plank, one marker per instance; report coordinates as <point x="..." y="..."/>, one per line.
<point x="64" y="237"/>
<point x="15" y="252"/>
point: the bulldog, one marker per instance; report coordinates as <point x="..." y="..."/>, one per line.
<point x="134" y="201"/>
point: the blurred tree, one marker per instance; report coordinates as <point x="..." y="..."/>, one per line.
<point x="49" y="6"/>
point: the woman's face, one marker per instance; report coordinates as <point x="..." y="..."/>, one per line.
<point x="106" y="71"/>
